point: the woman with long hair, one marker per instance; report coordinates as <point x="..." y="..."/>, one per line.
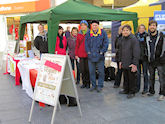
<point x="61" y="43"/>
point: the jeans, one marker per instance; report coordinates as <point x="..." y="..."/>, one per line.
<point x="130" y="81"/>
<point x="78" y="68"/>
<point x="118" y="75"/>
<point x="84" y="71"/>
<point x="161" y="73"/>
<point x="144" y="65"/>
<point x="92" y="71"/>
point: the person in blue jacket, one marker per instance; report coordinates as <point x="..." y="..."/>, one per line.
<point x="96" y="44"/>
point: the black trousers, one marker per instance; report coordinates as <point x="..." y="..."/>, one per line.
<point x="118" y="75"/>
<point x="130" y="81"/>
<point x="84" y="69"/>
<point x="161" y="73"/>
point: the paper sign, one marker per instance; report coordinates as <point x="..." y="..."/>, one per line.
<point x="49" y="78"/>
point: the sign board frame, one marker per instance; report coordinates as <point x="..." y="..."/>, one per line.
<point x="66" y="84"/>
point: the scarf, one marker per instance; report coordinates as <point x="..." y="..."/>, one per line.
<point x="61" y="43"/>
<point x="84" y="32"/>
<point x="141" y="37"/>
<point x="92" y="33"/>
<point x="44" y="37"/>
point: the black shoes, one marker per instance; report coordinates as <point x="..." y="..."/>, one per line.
<point x="144" y="93"/>
<point x="99" y="89"/>
<point x="150" y="94"/>
<point x="123" y="92"/>
<point x="115" y="86"/>
<point x="83" y="86"/>
<point x="92" y="89"/>
<point x="130" y="96"/>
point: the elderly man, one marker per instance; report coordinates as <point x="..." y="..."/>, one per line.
<point x="96" y="44"/>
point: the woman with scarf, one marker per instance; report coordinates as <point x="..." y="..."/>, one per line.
<point x="61" y="43"/>
<point x="71" y="45"/>
<point x="143" y="64"/>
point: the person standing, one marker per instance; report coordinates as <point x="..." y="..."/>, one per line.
<point x="61" y="43"/>
<point x="71" y="45"/>
<point x="96" y="44"/>
<point x="41" y="41"/>
<point x="67" y="32"/>
<point x="81" y="55"/>
<point x="129" y="58"/>
<point x="155" y="44"/>
<point x="143" y="63"/>
<point x="117" y="47"/>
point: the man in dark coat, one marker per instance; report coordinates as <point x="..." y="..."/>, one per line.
<point x="129" y="58"/>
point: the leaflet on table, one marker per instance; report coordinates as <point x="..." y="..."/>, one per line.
<point x="49" y="78"/>
<point x="11" y="47"/>
<point x="30" y="63"/>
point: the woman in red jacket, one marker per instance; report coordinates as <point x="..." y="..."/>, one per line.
<point x="81" y="54"/>
<point x="61" y="43"/>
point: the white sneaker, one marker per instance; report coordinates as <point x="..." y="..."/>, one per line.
<point x="161" y="98"/>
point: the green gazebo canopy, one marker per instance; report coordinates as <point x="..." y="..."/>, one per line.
<point x="73" y="10"/>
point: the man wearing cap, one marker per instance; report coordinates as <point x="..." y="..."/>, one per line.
<point x="96" y="44"/>
<point x="80" y="54"/>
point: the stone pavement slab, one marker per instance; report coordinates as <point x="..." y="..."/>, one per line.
<point x="107" y="107"/>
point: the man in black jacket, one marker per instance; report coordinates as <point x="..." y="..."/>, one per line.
<point x="41" y="41"/>
<point x="155" y="44"/>
<point x="129" y="57"/>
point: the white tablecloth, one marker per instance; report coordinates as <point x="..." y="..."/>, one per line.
<point x="24" y="67"/>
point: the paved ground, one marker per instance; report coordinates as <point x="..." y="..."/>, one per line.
<point x="107" y="107"/>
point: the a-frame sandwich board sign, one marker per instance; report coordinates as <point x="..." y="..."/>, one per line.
<point x="55" y="77"/>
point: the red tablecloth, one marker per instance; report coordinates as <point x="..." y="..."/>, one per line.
<point x="17" y="73"/>
<point x="33" y="77"/>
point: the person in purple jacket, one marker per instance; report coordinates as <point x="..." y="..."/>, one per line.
<point x="71" y="51"/>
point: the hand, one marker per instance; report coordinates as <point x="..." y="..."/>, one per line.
<point x="76" y="57"/>
<point x="120" y="65"/>
<point x="133" y="68"/>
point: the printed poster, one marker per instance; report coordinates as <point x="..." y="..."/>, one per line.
<point x="49" y="79"/>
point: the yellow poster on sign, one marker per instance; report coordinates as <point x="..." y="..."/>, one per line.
<point x="108" y="1"/>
